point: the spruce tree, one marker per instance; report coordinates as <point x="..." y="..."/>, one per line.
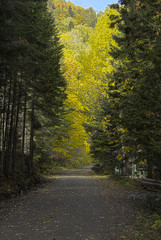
<point x="135" y="84"/>
<point x="31" y="81"/>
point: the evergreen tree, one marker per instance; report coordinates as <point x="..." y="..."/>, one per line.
<point x="135" y="82"/>
<point x="32" y="84"/>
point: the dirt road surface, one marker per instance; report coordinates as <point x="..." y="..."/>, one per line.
<point x="72" y="206"/>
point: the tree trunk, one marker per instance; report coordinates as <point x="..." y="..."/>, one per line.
<point x="11" y="131"/>
<point x="3" y="131"/>
<point x="14" y="148"/>
<point x="150" y="168"/>
<point x="31" y="136"/>
<point x="23" y="133"/>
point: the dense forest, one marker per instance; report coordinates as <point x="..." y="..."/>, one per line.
<point x="32" y="87"/>
<point x="129" y="113"/>
<point x="79" y="86"/>
<point x="75" y="25"/>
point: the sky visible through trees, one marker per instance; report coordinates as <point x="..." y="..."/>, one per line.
<point x="79" y="85"/>
<point x="97" y="5"/>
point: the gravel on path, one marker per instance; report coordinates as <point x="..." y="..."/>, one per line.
<point x="72" y="206"/>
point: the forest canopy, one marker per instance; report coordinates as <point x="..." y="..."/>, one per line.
<point x="77" y="85"/>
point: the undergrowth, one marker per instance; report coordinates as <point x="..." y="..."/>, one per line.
<point x="148" y="223"/>
<point x="127" y="182"/>
<point x="18" y="183"/>
<point x="146" y="227"/>
<point x="148" y="211"/>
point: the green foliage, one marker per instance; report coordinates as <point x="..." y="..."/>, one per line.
<point x="131" y="111"/>
<point x="32" y="86"/>
<point x="143" y="228"/>
<point x="157" y="223"/>
<point x="136" y="90"/>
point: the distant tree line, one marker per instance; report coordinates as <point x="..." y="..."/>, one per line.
<point x="31" y="83"/>
<point x="68" y="15"/>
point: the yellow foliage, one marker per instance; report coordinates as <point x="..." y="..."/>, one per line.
<point x="85" y="68"/>
<point x="65" y="36"/>
<point x="96" y="60"/>
<point x="77" y="140"/>
<point x="60" y="5"/>
<point x="119" y="157"/>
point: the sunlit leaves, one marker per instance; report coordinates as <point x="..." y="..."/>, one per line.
<point x="96" y="60"/>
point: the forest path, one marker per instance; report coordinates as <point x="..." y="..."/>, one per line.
<point x="74" y="205"/>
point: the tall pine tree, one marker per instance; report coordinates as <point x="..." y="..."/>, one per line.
<point x="32" y="85"/>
